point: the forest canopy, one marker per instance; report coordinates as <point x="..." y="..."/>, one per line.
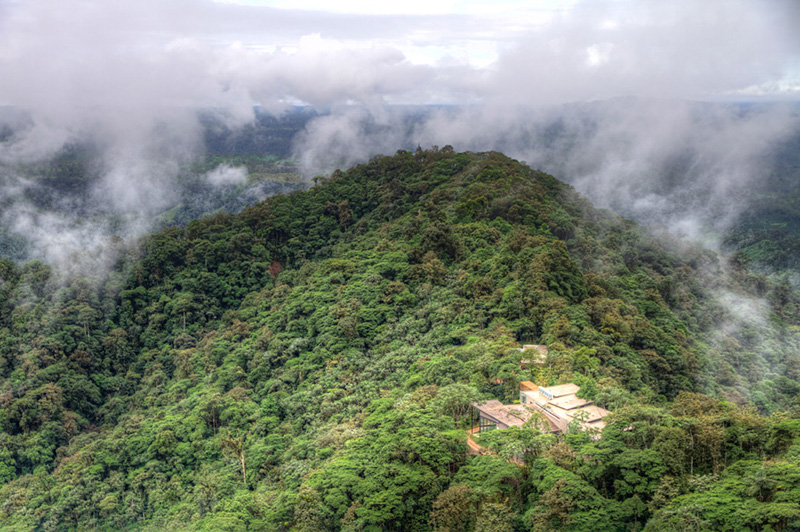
<point x="308" y="364"/>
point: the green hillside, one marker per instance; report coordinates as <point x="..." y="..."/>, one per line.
<point x="308" y="364"/>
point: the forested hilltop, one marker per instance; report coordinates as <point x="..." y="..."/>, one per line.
<point x="308" y="364"/>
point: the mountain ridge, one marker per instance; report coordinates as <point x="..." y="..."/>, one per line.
<point x="302" y="365"/>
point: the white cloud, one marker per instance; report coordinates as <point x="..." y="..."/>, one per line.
<point x="541" y="10"/>
<point x="61" y="54"/>
<point x="654" y="49"/>
<point x="224" y="175"/>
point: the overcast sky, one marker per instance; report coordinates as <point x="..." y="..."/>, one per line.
<point x="56" y="54"/>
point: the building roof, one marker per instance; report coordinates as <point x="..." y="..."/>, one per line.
<point x="594" y="412"/>
<point x="564" y="407"/>
<point x="541" y="348"/>
<point x="595" y="426"/>
<point x="569" y="402"/>
<point x="508" y="415"/>
<point x="562" y="389"/>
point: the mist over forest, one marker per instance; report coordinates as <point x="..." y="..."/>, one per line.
<point x="145" y="91"/>
<point x="263" y="261"/>
<point x="703" y="171"/>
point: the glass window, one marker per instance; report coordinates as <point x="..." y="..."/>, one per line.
<point x="487" y="424"/>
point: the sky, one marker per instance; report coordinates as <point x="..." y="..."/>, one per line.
<point x="131" y="74"/>
<point x="201" y="52"/>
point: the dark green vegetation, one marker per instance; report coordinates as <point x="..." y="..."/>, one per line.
<point x="65" y="186"/>
<point x="266" y="176"/>
<point x="71" y="183"/>
<point x="308" y="364"/>
<point x="768" y="235"/>
<point x="266" y="134"/>
<point x="761" y="202"/>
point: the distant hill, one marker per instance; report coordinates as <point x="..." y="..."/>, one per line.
<point x="266" y="135"/>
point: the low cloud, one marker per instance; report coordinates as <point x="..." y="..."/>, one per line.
<point x="226" y="175"/>
<point x="602" y="50"/>
<point x="128" y="78"/>
<point x="690" y="168"/>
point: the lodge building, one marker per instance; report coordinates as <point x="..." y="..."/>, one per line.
<point x="558" y="405"/>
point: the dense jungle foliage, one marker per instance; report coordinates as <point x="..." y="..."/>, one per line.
<point x="308" y="364"/>
<point x="768" y="235"/>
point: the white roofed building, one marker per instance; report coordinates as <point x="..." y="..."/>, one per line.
<point x="559" y="404"/>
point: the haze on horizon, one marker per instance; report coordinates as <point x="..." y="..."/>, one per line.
<point x="134" y="73"/>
